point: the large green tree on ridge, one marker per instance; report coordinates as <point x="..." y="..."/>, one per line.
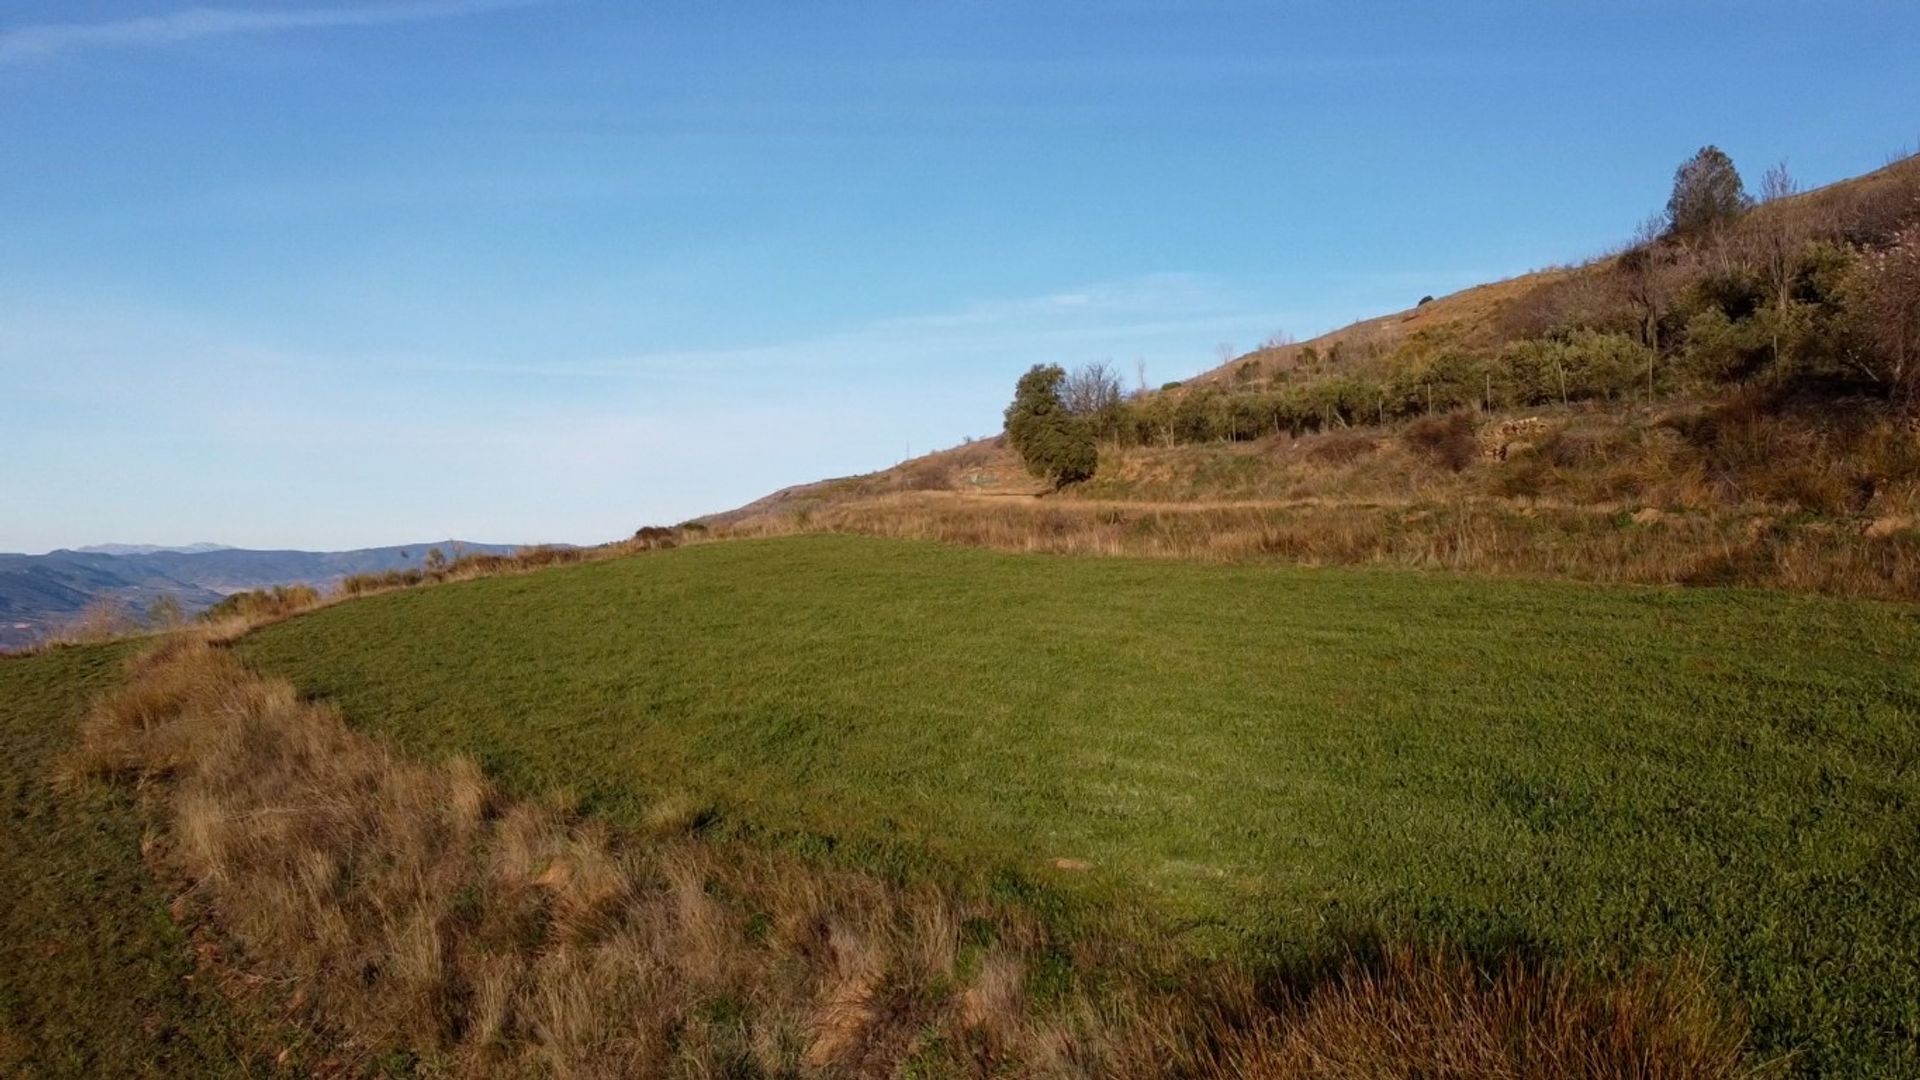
<point x="1707" y="193"/>
<point x="1056" y="445"/>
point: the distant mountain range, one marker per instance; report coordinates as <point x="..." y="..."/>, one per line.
<point x="151" y="549"/>
<point x="38" y="593"/>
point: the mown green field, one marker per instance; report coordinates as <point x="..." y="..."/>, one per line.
<point x="95" y="980"/>
<point x="1271" y="758"/>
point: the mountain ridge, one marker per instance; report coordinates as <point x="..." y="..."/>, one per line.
<point x="40" y="593"/>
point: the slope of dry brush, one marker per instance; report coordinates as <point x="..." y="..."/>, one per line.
<point x="405" y="908"/>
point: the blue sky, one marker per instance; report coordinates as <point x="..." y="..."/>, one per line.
<point x="355" y="272"/>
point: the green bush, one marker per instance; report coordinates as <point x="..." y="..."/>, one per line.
<point x="1055" y="445"/>
<point x="1718" y="349"/>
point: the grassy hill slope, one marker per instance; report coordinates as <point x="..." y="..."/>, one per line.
<point x="1272" y="758"/>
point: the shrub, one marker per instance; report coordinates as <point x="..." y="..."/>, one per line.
<point x="1883" y="297"/>
<point x="356" y="584"/>
<point x="264" y="603"/>
<point x="101" y="620"/>
<point x="1604" y="365"/>
<point x="1339" y="448"/>
<point x="1446" y="440"/>
<point x="926" y="474"/>
<point x="1532" y="372"/>
<point x="654" y="537"/>
<point x="165" y="613"/>
<point x="1720" y="349"/>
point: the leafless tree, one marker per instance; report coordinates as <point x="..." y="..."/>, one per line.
<point x="1886" y="296"/>
<point x="1780" y="238"/>
<point x="1778" y="184"/>
<point x="1091" y="389"/>
<point x="1640" y="264"/>
<point x="1646" y="288"/>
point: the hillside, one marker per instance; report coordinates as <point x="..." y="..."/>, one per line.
<point x="1717" y="408"/>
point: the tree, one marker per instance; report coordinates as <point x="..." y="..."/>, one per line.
<point x="436" y="560"/>
<point x="1056" y="445"/>
<point x="1091" y="390"/>
<point x="1646" y="289"/>
<point x="1707" y="193"/>
<point x="1778" y="184"/>
<point x="1779" y="244"/>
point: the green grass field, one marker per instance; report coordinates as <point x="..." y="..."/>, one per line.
<point x="95" y="980"/>
<point x="1269" y="757"/>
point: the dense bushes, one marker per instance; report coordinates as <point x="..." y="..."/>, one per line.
<point x="1805" y="294"/>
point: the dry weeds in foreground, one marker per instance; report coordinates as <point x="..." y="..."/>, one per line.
<point x="410" y="908"/>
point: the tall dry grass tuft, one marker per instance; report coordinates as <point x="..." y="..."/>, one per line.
<point x="1412" y="1015"/>
<point x="410" y="907"/>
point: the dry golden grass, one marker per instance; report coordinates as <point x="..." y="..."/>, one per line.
<point x="1608" y="543"/>
<point x="409" y="908"/>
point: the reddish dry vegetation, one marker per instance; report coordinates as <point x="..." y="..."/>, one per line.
<point x="402" y="907"/>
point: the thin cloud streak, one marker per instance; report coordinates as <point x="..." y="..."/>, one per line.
<point x="33" y="42"/>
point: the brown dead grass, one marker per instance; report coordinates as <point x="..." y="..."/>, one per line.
<point x="1604" y="543"/>
<point x="417" y="910"/>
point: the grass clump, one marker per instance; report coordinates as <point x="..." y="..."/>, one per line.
<point x="1449" y="441"/>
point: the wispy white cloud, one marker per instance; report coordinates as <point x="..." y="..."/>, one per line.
<point x="31" y="42"/>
